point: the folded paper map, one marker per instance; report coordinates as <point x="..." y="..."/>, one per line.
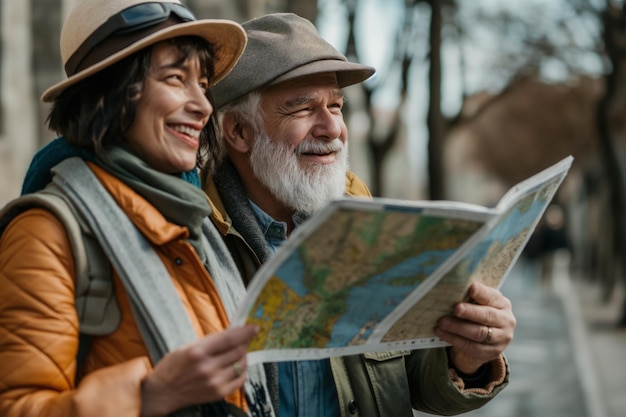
<point x="365" y="275"/>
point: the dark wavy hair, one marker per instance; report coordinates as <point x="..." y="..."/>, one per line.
<point x="96" y="112"/>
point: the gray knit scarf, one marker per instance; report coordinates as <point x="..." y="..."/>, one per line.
<point x="179" y="201"/>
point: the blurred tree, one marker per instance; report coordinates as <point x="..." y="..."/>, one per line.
<point x="435" y="118"/>
<point x="613" y="18"/>
<point x="46" y="61"/>
<point x="380" y="141"/>
<point x="242" y="10"/>
<point x="306" y="9"/>
<point x="558" y="47"/>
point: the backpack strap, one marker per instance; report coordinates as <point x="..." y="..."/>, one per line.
<point x="160" y="313"/>
<point x="96" y="304"/>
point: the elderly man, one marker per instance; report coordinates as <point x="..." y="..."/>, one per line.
<point x="285" y="141"/>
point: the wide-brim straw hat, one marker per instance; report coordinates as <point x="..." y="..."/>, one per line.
<point x="227" y="37"/>
<point x="281" y="47"/>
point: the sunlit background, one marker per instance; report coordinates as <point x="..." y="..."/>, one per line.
<point x="469" y="98"/>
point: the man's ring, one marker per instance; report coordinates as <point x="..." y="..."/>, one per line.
<point x="487" y="338"/>
<point x="238" y="369"/>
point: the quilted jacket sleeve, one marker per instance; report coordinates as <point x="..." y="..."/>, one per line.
<point x="39" y="332"/>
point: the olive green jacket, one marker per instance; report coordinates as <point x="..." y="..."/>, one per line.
<point x="387" y="384"/>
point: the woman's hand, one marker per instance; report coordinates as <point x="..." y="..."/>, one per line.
<point x="204" y="371"/>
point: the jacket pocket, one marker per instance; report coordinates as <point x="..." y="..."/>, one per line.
<point x="388" y="383"/>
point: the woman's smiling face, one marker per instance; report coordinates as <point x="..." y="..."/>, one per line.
<point x="171" y="111"/>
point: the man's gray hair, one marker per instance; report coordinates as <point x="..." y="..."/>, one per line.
<point x="247" y="110"/>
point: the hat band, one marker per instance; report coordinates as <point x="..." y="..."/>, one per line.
<point x="83" y="58"/>
<point x="132" y="19"/>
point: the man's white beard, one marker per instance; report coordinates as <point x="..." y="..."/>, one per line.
<point x="305" y="188"/>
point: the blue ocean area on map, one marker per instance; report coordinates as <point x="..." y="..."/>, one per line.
<point x="370" y="300"/>
<point x="373" y="301"/>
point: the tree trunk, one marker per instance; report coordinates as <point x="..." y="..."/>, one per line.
<point x="46" y="62"/>
<point x="306" y="9"/>
<point x="614" y="26"/>
<point x="435" y="120"/>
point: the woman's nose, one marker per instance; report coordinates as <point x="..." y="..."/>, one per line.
<point x="199" y="103"/>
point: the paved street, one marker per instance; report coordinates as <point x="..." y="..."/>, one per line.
<point x="567" y="357"/>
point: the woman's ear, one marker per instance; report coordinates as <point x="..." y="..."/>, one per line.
<point x="238" y="136"/>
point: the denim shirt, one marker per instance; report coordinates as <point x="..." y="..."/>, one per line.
<point x="306" y="388"/>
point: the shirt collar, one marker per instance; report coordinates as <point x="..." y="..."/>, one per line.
<point x="275" y="232"/>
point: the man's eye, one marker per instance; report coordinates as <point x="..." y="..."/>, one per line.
<point x="303" y="110"/>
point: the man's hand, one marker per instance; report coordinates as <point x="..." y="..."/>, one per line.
<point x="478" y="331"/>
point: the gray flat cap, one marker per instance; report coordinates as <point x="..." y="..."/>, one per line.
<point x="282" y="46"/>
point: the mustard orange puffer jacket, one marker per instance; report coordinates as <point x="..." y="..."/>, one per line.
<point x="39" y="325"/>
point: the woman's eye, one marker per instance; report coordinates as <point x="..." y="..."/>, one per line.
<point x="175" y="77"/>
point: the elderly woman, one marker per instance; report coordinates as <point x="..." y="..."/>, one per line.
<point x="136" y="104"/>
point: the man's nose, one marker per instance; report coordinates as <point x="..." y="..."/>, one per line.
<point x="328" y="125"/>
